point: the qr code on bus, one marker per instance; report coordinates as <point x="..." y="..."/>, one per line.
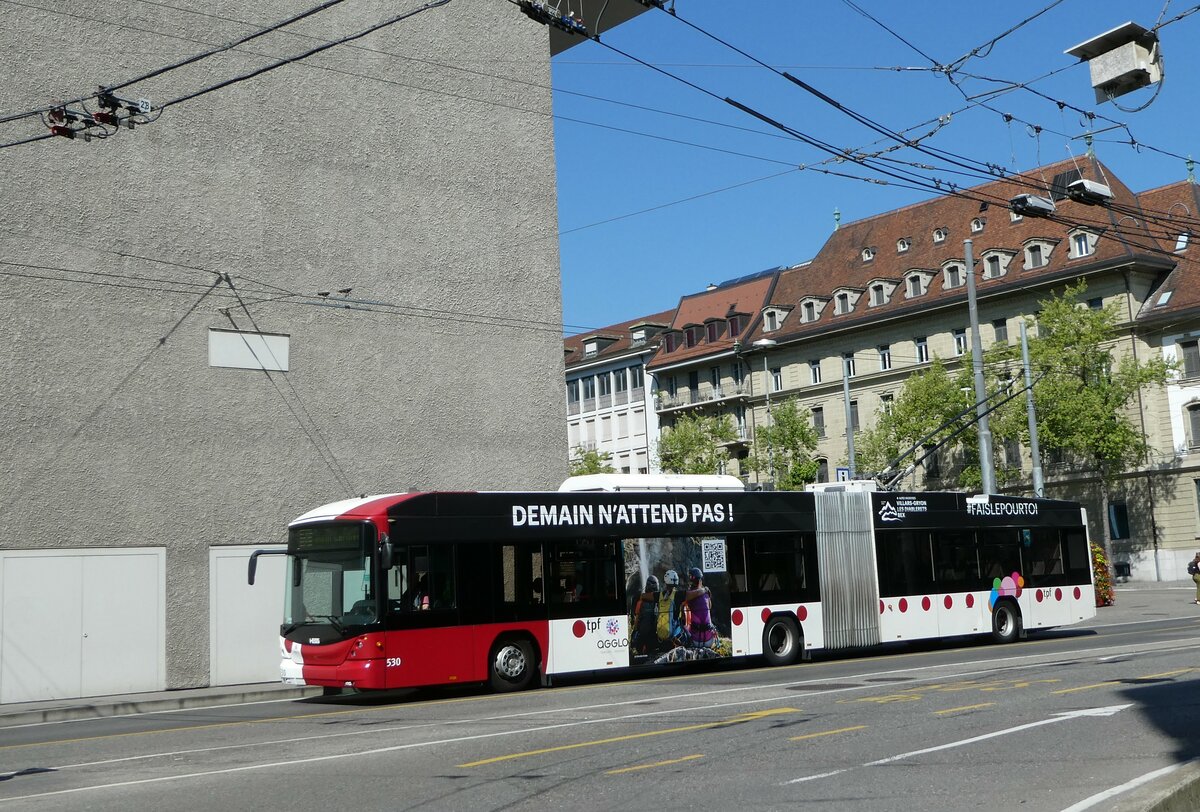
<point x="713" y="553"/>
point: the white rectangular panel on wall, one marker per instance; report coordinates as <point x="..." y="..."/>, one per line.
<point x="79" y="623"/>
<point x="124" y="624"/>
<point x="244" y="620"/>
<point x="40" y="627"/>
<point x="242" y="350"/>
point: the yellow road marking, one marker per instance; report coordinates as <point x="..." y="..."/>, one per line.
<point x="655" y="764"/>
<point x="746" y="717"/>
<point x="1168" y="674"/>
<point x="1087" y="687"/>
<point x="965" y="708"/>
<point x="827" y="733"/>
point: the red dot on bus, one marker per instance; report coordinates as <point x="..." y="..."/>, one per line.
<point x="903" y="605"/>
<point x="766" y="615"/>
<point x="970" y="601"/>
<point x="881" y="607"/>
<point x="1038" y="595"/>
<point x="802" y="613"/>
<point x="737" y="617"/>
<point x="287" y="646"/>
<point x="948" y="601"/>
<point x="926" y="603"/>
<point x="1078" y="593"/>
<point x="1058" y="594"/>
<point x="578" y="629"/>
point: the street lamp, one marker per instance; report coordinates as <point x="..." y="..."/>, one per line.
<point x="765" y="344"/>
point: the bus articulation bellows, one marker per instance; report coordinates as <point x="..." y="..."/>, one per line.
<point x="416" y="589"/>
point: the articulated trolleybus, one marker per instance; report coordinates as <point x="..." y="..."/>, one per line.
<point x="511" y="588"/>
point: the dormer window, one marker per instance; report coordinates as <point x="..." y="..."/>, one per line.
<point x="995" y="264"/>
<point x="992" y="269"/>
<point x="770" y="321"/>
<point x="953" y="276"/>
<point x="1037" y="254"/>
<point x="916" y="284"/>
<point x="591" y="348"/>
<point x="637" y="338"/>
<point x="878" y="296"/>
<point x="691" y="336"/>
<point x="735" y="326"/>
<point x="843" y="303"/>
<point x="671" y="341"/>
<point x="1014" y="217"/>
<point x="1083" y="243"/>
<point x="880" y="292"/>
<point x="977" y="225"/>
<point x="868" y="254"/>
<point x="712" y="330"/>
<point x="939" y="235"/>
<point x="1182" y="243"/>
<point x="903" y="244"/>
<point x="810" y="311"/>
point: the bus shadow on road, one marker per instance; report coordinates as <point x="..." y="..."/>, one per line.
<point x="1172" y="706"/>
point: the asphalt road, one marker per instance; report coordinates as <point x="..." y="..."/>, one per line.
<point x="1040" y="725"/>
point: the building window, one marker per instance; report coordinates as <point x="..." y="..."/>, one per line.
<point x="922" y="349"/>
<point x="1191" y="358"/>
<point x="916" y="286"/>
<point x="637" y="338"/>
<point x="1012" y="453"/>
<point x="671" y="342"/>
<point x="954" y="276"/>
<point x="777" y="379"/>
<point x="1034" y="257"/>
<point x="960" y="341"/>
<point x="1182" y="242"/>
<point x="712" y="329"/>
<point x="572" y="391"/>
<point x="714" y="377"/>
<point x="672" y="388"/>
<point x="814" y="371"/>
<point x="1001" y="328"/>
<point x="1194" y="424"/>
<point x="878" y="296"/>
<point x="810" y="311"/>
<point x="590" y="349"/>
<point x="993" y="267"/>
<point x="1096" y="303"/>
<point x="843" y="303"/>
<point x="1014" y="217"/>
<point x="933" y="465"/>
<point x="772" y="321"/>
<point x="885" y="356"/>
<point x="886" y="401"/>
<point x="636" y="378"/>
<point x="854" y="415"/>
<point x="589" y="388"/>
<point x="690" y="337"/>
<point x="738" y="376"/>
<point x="818" y="418"/>
<point x="1118" y="521"/>
<point x="848" y="364"/>
<point x="822" y="470"/>
<point x="939" y="235"/>
<point x="977" y="225"/>
<point x="735" y="326"/>
<point x="620" y="380"/>
<point x="903" y="244"/>
<point x="1081" y="244"/>
<point x="868" y="254"/>
<point x="605" y="384"/>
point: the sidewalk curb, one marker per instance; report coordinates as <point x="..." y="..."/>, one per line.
<point x="104" y="707"/>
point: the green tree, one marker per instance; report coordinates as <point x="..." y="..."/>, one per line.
<point x="591" y="461"/>
<point x="693" y="444"/>
<point x="925" y="401"/>
<point x="787" y="442"/>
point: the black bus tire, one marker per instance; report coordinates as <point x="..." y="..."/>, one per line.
<point x="511" y="666"/>
<point x="782" y="642"/>
<point x="1006" y="622"/>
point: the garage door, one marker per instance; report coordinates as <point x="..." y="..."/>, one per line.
<point x="81" y="623"/>
<point x="244" y="620"/>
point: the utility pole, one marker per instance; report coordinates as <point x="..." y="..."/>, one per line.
<point x="765" y="344"/>
<point x="986" y="464"/>
<point x="849" y="416"/>
<point x="1039" y="484"/>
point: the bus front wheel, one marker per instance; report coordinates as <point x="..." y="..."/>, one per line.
<point x="1006" y="622"/>
<point x="512" y="666"/>
<point x="781" y="641"/>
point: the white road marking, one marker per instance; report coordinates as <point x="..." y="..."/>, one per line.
<point x="1088" y="803"/>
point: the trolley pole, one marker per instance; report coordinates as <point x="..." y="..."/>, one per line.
<point x="849" y="417"/>
<point x="986" y="464"/>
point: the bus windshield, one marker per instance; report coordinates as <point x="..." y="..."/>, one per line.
<point x="329" y="577"/>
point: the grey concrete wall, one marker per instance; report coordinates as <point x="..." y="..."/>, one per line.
<point x="427" y="189"/>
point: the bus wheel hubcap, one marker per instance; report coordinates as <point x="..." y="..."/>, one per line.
<point x="510" y="662"/>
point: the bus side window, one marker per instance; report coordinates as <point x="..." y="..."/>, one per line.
<point x="398" y="580"/>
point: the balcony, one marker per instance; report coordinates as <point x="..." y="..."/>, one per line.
<point x="703" y="396"/>
<point x="741" y="437"/>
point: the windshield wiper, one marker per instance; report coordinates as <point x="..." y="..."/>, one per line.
<point x="333" y="621"/>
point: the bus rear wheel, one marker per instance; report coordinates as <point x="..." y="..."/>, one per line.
<point x="1006" y="622"/>
<point x="781" y="641"/>
<point x="511" y="666"/>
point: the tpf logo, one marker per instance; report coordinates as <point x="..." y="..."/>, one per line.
<point x="887" y="512"/>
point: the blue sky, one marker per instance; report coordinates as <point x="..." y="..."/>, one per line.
<point x="650" y="141"/>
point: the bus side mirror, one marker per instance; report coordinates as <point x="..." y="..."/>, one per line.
<point x="253" y="566"/>
<point x="385" y="555"/>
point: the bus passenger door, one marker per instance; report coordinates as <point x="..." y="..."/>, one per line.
<point x="426" y="643"/>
